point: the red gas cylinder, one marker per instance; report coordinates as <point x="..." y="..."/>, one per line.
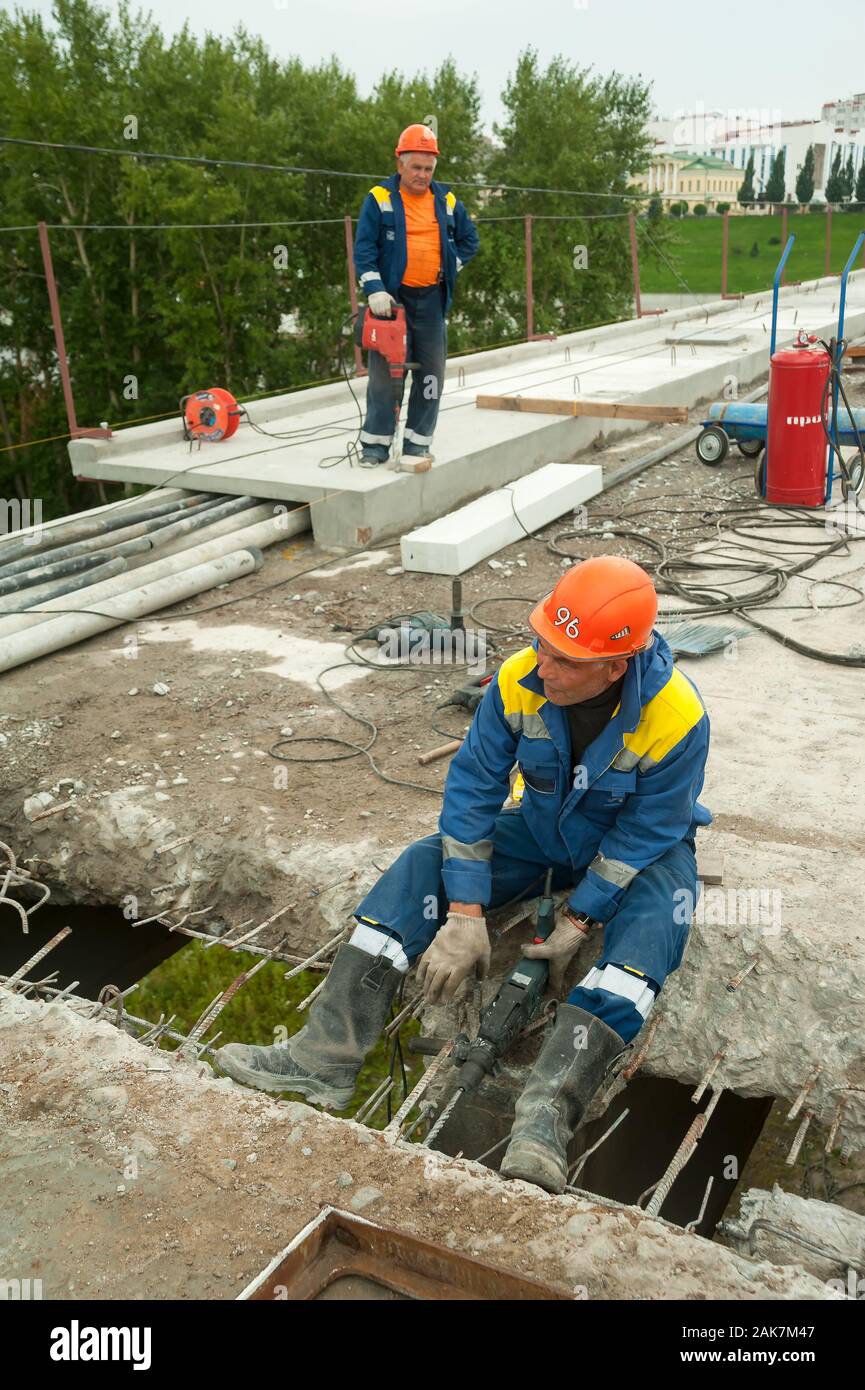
<point x="796" y="445"/>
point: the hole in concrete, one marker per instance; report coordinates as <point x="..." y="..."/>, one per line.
<point x="638" y="1152"/>
<point x="178" y="976"/>
<point x="103" y="947"/>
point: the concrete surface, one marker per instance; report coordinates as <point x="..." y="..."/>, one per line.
<point x="135" y="1175"/>
<point x="475" y="450"/>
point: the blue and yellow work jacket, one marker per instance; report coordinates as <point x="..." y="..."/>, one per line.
<point x="380" y="254"/>
<point x="633" y="796"/>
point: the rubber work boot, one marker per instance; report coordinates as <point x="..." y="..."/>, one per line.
<point x="570" y="1068"/>
<point x="322" y="1060"/>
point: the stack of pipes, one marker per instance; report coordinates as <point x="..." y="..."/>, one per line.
<point x="67" y="580"/>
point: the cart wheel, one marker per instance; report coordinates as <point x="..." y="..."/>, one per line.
<point x="760" y="475"/>
<point x="852" y="486"/>
<point x="712" y="445"/>
<point x="750" y="448"/>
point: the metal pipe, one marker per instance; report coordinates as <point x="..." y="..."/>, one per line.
<point x="44" y="593"/>
<point x="622" y="475"/>
<point x="187" y="551"/>
<point x="136" y="525"/>
<point x="25" y="580"/>
<point x="67" y="628"/>
<point x="92" y="524"/>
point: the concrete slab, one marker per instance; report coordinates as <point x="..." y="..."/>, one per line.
<point x="475" y="451"/>
<point x="463" y="538"/>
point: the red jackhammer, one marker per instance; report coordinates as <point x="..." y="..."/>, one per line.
<point x="389" y="336"/>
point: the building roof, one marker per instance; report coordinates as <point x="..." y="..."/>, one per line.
<point x="708" y="161"/>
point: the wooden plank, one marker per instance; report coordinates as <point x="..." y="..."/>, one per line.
<point x="857" y="350"/>
<point x="614" y="410"/>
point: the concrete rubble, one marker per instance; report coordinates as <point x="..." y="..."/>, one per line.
<point x="140" y="1176"/>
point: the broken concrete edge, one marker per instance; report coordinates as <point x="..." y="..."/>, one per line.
<point x="91" y="1081"/>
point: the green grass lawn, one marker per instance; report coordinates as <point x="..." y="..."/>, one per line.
<point x="695" y="253"/>
<point x="187" y="983"/>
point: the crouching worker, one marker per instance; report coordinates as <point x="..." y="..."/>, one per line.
<point x="610" y="740"/>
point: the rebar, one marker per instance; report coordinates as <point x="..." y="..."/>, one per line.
<point x="305" y="1003"/>
<point x="634" y="1066"/>
<point x="800" y="1138"/>
<point x="737" y="979"/>
<point x="238" y="941"/>
<point x="804" y="1093"/>
<point x="432" y="1071"/>
<point x="692" y="1225"/>
<point x="577" y="1168"/>
<point x="839" y="1111"/>
<point x="682" y="1155"/>
<point x="211" y="1014"/>
<point x="75" y="999"/>
<point x="426" y="1108"/>
<point x="372" y="1103"/>
<point x="707" y="1077"/>
<point x="19" y="877"/>
<point x="443" y="1117"/>
<point x="13" y="980"/>
<point x="316" y="955"/>
<point x="403" y="1014"/>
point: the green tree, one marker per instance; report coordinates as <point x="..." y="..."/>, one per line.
<point x="805" y="178"/>
<point x="600" y="139"/>
<point x="835" y="181"/>
<point x="777" y="182"/>
<point x="655" y="210"/>
<point x="848" y="177"/>
<point x="859" y="194"/>
<point x="746" y="187"/>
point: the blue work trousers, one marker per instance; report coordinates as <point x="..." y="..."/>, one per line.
<point x="427" y="348"/>
<point x="647" y="933"/>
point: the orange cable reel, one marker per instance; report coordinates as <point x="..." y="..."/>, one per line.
<point x="210" y="415"/>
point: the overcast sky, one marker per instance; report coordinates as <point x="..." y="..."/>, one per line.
<point x="786" y="57"/>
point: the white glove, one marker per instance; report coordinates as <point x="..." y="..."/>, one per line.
<point x="459" y="947"/>
<point x="560" y="947"/>
<point x="381" y="303"/>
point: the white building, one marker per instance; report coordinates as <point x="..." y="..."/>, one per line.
<point x="737" y="135"/>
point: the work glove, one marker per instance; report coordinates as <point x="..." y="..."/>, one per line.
<point x="560" y="946"/>
<point x="381" y="304"/>
<point x="460" y="946"/>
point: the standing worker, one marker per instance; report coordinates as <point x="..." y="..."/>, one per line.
<point x="610" y="740"/>
<point x="413" y="236"/>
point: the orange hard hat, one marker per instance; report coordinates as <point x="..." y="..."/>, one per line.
<point x="417" y="139"/>
<point x="601" y="608"/>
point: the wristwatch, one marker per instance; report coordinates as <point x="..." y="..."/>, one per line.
<point x="581" y="920"/>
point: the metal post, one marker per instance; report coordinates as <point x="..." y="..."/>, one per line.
<point x="360" y="369"/>
<point x="635" y="264"/>
<point x="530" y="292"/>
<point x="828" y="237"/>
<point x="63" y="363"/>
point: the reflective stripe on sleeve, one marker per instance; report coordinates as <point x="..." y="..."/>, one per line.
<point x="480" y="851"/>
<point x="614" y="871"/>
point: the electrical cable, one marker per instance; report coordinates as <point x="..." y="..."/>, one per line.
<point x="300" y="169"/>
